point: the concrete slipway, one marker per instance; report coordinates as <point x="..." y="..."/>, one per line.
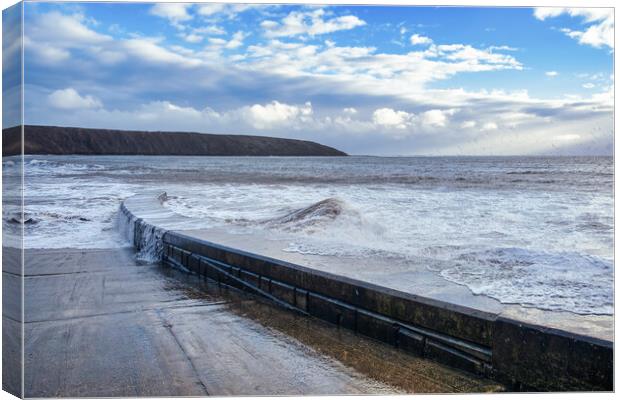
<point x="526" y="350"/>
<point x="99" y="324"/>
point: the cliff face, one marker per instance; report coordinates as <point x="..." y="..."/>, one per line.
<point x="62" y="140"/>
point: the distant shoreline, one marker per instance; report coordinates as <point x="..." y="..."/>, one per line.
<point x="54" y="140"/>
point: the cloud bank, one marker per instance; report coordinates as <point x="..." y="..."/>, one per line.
<point x="291" y="75"/>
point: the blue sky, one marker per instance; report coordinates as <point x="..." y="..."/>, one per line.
<point x="366" y="79"/>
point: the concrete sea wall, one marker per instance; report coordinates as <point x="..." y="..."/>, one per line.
<point x="523" y="356"/>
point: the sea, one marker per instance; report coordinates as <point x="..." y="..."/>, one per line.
<point x="536" y="231"/>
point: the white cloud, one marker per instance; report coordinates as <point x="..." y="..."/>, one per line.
<point x="365" y="70"/>
<point x="210" y="30"/>
<point x="157" y="110"/>
<point x="374" y="129"/>
<point x="468" y="124"/>
<point x="349" y="111"/>
<point x="600" y="31"/>
<point x="589" y="14"/>
<point x="543" y="13"/>
<point x="230" y="11"/>
<point x="275" y="113"/>
<point x="237" y="40"/>
<point x="391" y="118"/>
<point x="65" y="30"/>
<point x="436" y="118"/>
<point x="596" y="35"/>
<point x="55" y="38"/>
<point x="211" y="9"/>
<point x="595" y="76"/>
<point x="503" y="48"/>
<point x="150" y="51"/>
<point x="489" y="126"/>
<point x="165" y="115"/>
<point x="416" y="39"/>
<point x="47" y="54"/>
<point x="174" y="12"/>
<point x="588" y="85"/>
<point x="193" y="37"/>
<point x="571" y="137"/>
<point x="467" y="53"/>
<point x="514" y="119"/>
<point x="70" y="99"/>
<point x="309" y="23"/>
<point x="218" y="41"/>
<point x="567" y="138"/>
<point x="551" y="74"/>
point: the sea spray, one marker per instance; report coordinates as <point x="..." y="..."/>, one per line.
<point x="308" y="218"/>
<point x="125" y="224"/>
<point x="145" y="238"/>
<point x="149" y="242"/>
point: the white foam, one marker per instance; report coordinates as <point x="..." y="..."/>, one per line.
<point x="568" y="281"/>
<point x="440" y="228"/>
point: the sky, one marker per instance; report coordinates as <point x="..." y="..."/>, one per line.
<point x="377" y="80"/>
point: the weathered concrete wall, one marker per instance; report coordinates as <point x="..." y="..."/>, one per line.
<point x="525" y="357"/>
<point x="12" y="202"/>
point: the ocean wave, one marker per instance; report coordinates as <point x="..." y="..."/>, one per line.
<point x="309" y="219"/>
<point x="31" y="218"/>
<point x="561" y="281"/>
<point x="17" y="218"/>
<point x="330" y="227"/>
<point x="45" y="167"/>
<point x="527" y="172"/>
<point x="594" y="222"/>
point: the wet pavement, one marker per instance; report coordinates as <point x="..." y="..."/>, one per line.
<point x="98" y="324"/>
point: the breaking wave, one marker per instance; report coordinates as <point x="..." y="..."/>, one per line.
<point x="568" y="281"/>
<point x="32" y="218"/>
<point x="36" y="167"/>
<point x="309" y="218"/>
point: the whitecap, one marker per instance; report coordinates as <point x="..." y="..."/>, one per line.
<point x="559" y="281"/>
